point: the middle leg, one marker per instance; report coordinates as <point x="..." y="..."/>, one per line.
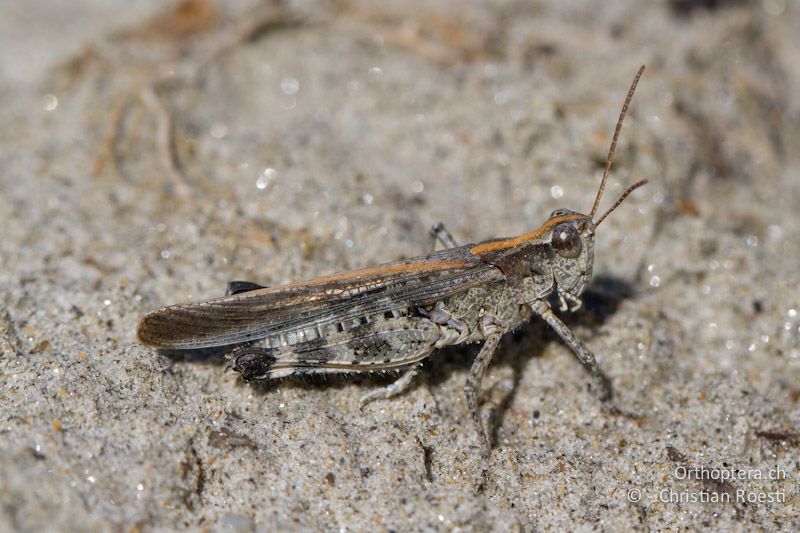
<point x="440" y="233"/>
<point x="492" y="332"/>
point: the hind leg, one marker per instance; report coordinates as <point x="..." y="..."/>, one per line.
<point x="397" y="387"/>
<point x="252" y="362"/>
<point x="238" y="287"/>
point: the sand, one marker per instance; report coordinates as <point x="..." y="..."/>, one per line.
<point x="151" y="153"/>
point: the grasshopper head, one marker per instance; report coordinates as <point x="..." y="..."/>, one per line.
<point x="572" y="243"/>
<point x="572" y="234"/>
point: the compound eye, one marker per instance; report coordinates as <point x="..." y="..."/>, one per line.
<point x="567" y="241"/>
<point x="559" y="212"/>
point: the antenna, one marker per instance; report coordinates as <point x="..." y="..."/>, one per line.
<point x="610" y="158"/>
<point x="621" y="198"/>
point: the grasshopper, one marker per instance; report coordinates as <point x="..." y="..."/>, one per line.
<point x="393" y="316"/>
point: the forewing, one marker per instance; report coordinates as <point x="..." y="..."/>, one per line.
<point x="257" y="314"/>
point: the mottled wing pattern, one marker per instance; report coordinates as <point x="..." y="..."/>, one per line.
<point x="260" y="313"/>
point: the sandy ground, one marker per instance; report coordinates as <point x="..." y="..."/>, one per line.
<point x="151" y="153"/>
